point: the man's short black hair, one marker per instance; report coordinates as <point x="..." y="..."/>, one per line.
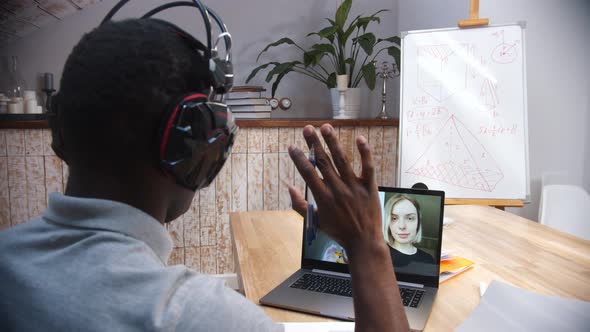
<point x="116" y="84"/>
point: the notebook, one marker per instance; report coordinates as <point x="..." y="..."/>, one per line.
<point x="412" y="221"/>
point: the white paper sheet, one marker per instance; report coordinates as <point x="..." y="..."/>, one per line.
<point x="508" y="308"/>
<point x="320" y="327"/>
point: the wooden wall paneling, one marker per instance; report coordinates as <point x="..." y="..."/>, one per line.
<point x="17" y="190"/>
<point x="65" y="173"/>
<point x="188" y="220"/>
<point x="347" y="142"/>
<point x="300" y="141"/>
<point x="270" y="180"/>
<point x="192" y="233"/>
<point x="4" y="194"/>
<point x="35" y="184"/>
<point x="176" y="257"/>
<point x="53" y="175"/>
<point x="3" y="142"/>
<point x="255" y="181"/>
<point x="208" y="260"/>
<point x="255" y="177"/>
<point x="241" y="142"/>
<point x="286" y="138"/>
<point x="46" y="135"/>
<point x="239" y="178"/>
<point x="270" y="140"/>
<point x="176" y="230"/>
<point x="192" y="258"/>
<point x="255" y="138"/>
<point x="15" y="142"/>
<point x="286" y="178"/>
<point x="33" y="142"/>
<point x="223" y="189"/>
<point x="208" y="215"/>
<point x="389" y="156"/>
<point x="224" y="252"/>
<point x="376" y="142"/>
<point x="356" y="160"/>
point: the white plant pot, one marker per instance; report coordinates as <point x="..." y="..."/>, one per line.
<point x="352" y="103"/>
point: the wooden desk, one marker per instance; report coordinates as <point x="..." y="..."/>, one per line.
<point x="504" y="246"/>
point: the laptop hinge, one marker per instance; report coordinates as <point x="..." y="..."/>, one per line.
<point x="339" y="274"/>
<point x="410" y="284"/>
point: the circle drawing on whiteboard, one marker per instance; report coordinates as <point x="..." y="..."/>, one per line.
<point x="505" y="53"/>
<point x="466" y="164"/>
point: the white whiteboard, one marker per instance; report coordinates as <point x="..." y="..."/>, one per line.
<point x="463" y="118"/>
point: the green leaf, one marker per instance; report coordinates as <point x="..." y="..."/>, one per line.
<point x="257" y="69"/>
<point x="325" y="32"/>
<point x="280" y="68"/>
<point x="312" y="57"/>
<point x="342" y="13"/>
<point x="394" y="39"/>
<point x="331" y="81"/>
<point x="326" y="48"/>
<point x="369" y="73"/>
<point x="349" y="61"/>
<point x="394" y="51"/>
<point x="277" y="43"/>
<point x="363" y="22"/>
<point x="350" y="29"/>
<point x="275" y="84"/>
<point x="367" y="42"/>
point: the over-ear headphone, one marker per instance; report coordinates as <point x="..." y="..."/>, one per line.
<point x="195" y="135"/>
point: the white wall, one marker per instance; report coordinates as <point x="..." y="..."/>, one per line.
<point x="253" y="24"/>
<point x="557" y="76"/>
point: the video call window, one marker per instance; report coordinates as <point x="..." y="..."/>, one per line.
<point x="410" y="227"/>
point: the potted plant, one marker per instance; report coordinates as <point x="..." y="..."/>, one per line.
<point x="343" y="49"/>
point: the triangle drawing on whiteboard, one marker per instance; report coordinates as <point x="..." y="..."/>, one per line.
<point x="457" y="157"/>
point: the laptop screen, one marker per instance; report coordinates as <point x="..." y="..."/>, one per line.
<point x="411" y="226"/>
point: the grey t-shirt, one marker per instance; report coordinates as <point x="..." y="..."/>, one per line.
<point x="99" y="265"/>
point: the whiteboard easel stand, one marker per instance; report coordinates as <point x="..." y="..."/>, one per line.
<point x="475" y="21"/>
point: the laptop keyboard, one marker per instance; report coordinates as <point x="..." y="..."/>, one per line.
<point x="340" y="286"/>
<point x="324" y="284"/>
<point x="411" y="297"/>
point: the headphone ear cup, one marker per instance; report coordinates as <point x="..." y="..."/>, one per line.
<point x="55" y="124"/>
<point x="168" y="147"/>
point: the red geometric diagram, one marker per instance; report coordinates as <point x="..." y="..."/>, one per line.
<point x="456" y="156"/>
<point x="441" y="73"/>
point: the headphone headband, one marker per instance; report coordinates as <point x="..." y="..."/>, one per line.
<point x="221" y="71"/>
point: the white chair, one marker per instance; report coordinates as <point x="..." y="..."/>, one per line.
<point x="566" y="208"/>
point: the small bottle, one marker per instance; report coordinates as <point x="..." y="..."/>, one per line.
<point x="17" y="84"/>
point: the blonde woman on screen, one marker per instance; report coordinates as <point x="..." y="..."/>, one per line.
<point x="402" y="228"/>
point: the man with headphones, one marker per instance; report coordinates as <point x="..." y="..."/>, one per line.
<point x="136" y="121"/>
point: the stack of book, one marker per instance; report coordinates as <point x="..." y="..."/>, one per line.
<point x="248" y="102"/>
<point x="452" y="265"/>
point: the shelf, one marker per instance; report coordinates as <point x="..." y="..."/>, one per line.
<point x="39" y="121"/>
<point x="23" y="121"/>
<point x="315" y="122"/>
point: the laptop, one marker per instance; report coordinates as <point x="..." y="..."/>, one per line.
<point x="412" y="221"/>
